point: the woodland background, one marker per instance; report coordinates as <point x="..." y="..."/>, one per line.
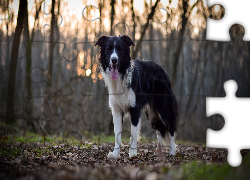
<point x="49" y="77"/>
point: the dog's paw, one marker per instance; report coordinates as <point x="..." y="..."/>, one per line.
<point x="113" y="155"/>
<point x="172" y="151"/>
<point x="132" y="152"/>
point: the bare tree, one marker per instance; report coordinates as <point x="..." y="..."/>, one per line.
<point x="134" y="24"/>
<point x="13" y="62"/>
<point x="29" y="41"/>
<point x="151" y="43"/>
<point x="51" y="46"/>
<point x="112" y="4"/>
<point x="145" y="27"/>
<point x="184" y="20"/>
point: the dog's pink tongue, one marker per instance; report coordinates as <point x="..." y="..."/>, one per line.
<point x="114" y="73"/>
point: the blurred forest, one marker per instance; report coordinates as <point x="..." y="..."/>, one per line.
<point x="50" y="79"/>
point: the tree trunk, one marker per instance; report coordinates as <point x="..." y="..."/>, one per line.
<point x="29" y="41"/>
<point x="57" y="49"/>
<point x="184" y="20"/>
<point x="28" y="104"/>
<point x="112" y="4"/>
<point x="101" y="6"/>
<point x="28" y="59"/>
<point x="134" y="25"/>
<point x="13" y="62"/>
<point x="51" y="47"/>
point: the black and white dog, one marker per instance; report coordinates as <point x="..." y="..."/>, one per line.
<point x="136" y="85"/>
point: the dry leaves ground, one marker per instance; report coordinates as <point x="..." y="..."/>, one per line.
<point x="88" y="161"/>
<point x="28" y="156"/>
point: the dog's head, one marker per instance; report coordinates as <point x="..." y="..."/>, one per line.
<point x="115" y="54"/>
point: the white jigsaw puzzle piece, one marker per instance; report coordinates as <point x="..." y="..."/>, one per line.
<point x="235" y="134"/>
<point x="236" y="12"/>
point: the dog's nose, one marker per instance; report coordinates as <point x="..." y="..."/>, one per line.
<point x="114" y="61"/>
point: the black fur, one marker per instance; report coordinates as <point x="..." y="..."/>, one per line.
<point x="150" y="84"/>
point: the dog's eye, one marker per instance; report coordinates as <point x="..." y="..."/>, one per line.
<point x="109" y="49"/>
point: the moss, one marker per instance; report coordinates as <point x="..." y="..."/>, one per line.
<point x="199" y="171"/>
<point x="10" y="152"/>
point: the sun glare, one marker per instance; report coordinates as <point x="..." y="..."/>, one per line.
<point x="106" y="23"/>
<point x="196" y="31"/>
<point x="88" y="72"/>
<point x="139" y="5"/>
<point x="126" y="9"/>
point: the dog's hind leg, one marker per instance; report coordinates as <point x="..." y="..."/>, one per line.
<point x="160" y="131"/>
<point x="164" y="137"/>
<point x="168" y="131"/>
<point x="167" y="125"/>
<point x="168" y="140"/>
<point x="159" y="146"/>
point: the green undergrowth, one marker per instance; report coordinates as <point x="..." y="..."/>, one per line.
<point x="222" y="171"/>
<point x="10" y="152"/>
<point x="14" y="134"/>
<point x="29" y="137"/>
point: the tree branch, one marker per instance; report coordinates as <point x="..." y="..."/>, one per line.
<point x="36" y="17"/>
<point x="150" y="16"/>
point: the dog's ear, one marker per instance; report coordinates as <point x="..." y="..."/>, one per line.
<point x="127" y="40"/>
<point x="101" y="40"/>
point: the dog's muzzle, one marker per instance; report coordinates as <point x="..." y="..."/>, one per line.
<point x="113" y="67"/>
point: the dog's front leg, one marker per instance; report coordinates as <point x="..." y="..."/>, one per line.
<point x="117" y="120"/>
<point x="135" y="116"/>
<point x="133" y="141"/>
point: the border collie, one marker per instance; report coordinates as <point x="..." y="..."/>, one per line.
<point x="136" y="85"/>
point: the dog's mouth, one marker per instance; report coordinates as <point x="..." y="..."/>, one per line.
<point x="114" y="71"/>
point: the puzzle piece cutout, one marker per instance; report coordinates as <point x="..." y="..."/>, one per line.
<point x="234" y="135"/>
<point x="234" y="13"/>
<point x="237" y="71"/>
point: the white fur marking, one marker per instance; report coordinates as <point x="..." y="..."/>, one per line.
<point x="117" y="120"/>
<point x="172" y="144"/>
<point x="133" y="138"/>
<point x="133" y="141"/>
<point x="120" y="96"/>
<point x="114" y="55"/>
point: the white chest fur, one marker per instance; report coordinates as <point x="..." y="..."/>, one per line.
<point x="120" y="96"/>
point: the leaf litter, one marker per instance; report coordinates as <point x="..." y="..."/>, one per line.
<point x="89" y="161"/>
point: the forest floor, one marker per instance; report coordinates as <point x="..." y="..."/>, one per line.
<point x="29" y="156"/>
